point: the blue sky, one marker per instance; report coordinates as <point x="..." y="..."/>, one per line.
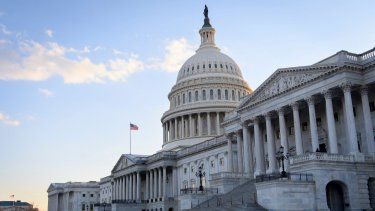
<point x="73" y="74"/>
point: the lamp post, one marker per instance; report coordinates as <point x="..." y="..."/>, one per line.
<point x="281" y="157"/>
<point x="200" y="174"/>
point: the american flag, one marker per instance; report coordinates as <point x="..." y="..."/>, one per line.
<point x="133" y="127"/>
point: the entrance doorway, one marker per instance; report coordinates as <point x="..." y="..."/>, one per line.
<point x="335" y="196"/>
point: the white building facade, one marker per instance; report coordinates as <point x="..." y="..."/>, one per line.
<point x="73" y="196"/>
<point x="315" y="122"/>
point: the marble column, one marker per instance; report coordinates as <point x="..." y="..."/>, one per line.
<point x="175" y="137"/>
<point x="230" y="155"/>
<point x="271" y="148"/>
<point x="199" y="124"/>
<point x="151" y="193"/>
<point x="259" y="153"/>
<point x="174" y="181"/>
<point x="313" y="127"/>
<point x="239" y="151"/>
<point x="350" y="120"/>
<point x="332" y="137"/>
<point x="123" y="188"/>
<point x="147" y="186"/>
<point x="246" y="147"/>
<point x="208" y="123"/>
<point x="164" y="195"/>
<point x="155" y="183"/>
<point x="168" y="131"/>
<point x="130" y="186"/>
<point x="283" y="135"/>
<point x="164" y="133"/>
<point x="126" y="187"/>
<point x="159" y="183"/>
<point x="217" y="123"/>
<point x="367" y="120"/>
<point x="138" y="186"/>
<point x="297" y="129"/>
<point x="115" y="189"/>
<point x="134" y="186"/>
<point x="182" y="127"/>
<point x="190" y="126"/>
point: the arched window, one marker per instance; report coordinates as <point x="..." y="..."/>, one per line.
<point x="221" y="65"/>
<point x="239" y="95"/>
<point x="209" y="65"/>
<point x="179" y="100"/>
<point x="189" y="97"/>
<point x="183" y="98"/>
<point x="233" y="95"/>
<point x="198" y="67"/>
<point x="215" y="65"/>
<point x="192" y="68"/>
<point x="219" y="94"/>
<point x="204" y="94"/>
<point x="211" y="94"/>
<point x="226" y="95"/>
<point x="196" y="96"/>
<point x="175" y="101"/>
<point x="204" y="66"/>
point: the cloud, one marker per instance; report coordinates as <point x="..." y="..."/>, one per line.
<point x="4" y="29"/>
<point x="176" y="53"/>
<point x="8" y="121"/>
<point x="4" y="42"/>
<point x="38" y="62"/>
<point x="2" y="14"/>
<point x="49" y="32"/>
<point x="117" y="52"/>
<point x="46" y="92"/>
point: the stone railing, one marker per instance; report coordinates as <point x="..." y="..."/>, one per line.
<point x="321" y="156"/>
<point x="202" y="146"/>
<point x="161" y="155"/>
<point x="230" y="175"/>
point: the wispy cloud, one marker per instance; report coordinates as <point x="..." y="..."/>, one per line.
<point x="38" y="62"/>
<point x="2" y="13"/>
<point x="176" y="53"/>
<point x="8" y="121"/>
<point x="49" y="32"/>
<point x="4" y="29"/>
<point x="4" y="42"/>
<point x="46" y="92"/>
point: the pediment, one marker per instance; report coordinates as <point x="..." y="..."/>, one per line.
<point x="122" y="163"/>
<point x="284" y="80"/>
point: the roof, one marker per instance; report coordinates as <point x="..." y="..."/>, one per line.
<point x="16" y="203"/>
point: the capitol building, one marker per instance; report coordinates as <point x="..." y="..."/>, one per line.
<point x="303" y="140"/>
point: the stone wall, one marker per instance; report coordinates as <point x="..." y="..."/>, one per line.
<point x="286" y="195"/>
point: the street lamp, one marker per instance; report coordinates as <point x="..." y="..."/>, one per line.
<point x="281" y="157"/>
<point x="200" y="174"/>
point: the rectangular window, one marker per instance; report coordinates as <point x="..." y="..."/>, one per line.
<point x="83" y="206"/>
<point x="91" y="195"/>
<point x="372" y="106"/>
<point x="83" y="195"/>
<point x="221" y="161"/>
<point x="304" y="126"/>
<point x="212" y="163"/>
<point x="91" y="207"/>
<point x="219" y="94"/>
<point x="336" y="116"/>
<point x="291" y="130"/>
<point x="318" y="122"/>
<point x="185" y="170"/>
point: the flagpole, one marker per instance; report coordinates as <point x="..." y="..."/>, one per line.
<point x="130" y="142"/>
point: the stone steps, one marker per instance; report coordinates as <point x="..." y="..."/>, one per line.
<point x="240" y="198"/>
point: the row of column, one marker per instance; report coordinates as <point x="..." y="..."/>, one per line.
<point x="127" y="187"/>
<point x="181" y="127"/>
<point x="156" y="183"/>
<point x="244" y="155"/>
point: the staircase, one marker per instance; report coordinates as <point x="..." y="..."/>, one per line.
<point x="242" y="197"/>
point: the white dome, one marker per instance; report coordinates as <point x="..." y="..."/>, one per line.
<point x="208" y="61"/>
<point x="209" y="85"/>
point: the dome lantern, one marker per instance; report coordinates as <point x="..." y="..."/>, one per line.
<point x="207" y="32"/>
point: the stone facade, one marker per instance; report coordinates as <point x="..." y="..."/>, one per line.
<point x="319" y="119"/>
<point x="75" y="196"/>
